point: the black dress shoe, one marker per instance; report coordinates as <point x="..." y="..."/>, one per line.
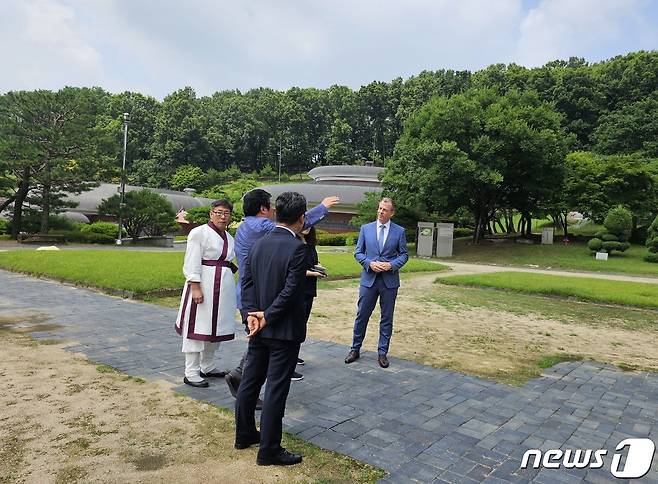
<point x="197" y="384"/>
<point x="244" y="445"/>
<point x="213" y="374"/>
<point x="383" y="361"/>
<point x="283" y="458"/>
<point x="352" y="356"/>
<point x="233" y="384"/>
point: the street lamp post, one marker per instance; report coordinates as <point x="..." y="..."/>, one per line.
<point x="279" y="160"/>
<point x="126" y="118"/>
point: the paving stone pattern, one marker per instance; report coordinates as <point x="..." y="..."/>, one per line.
<point x="420" y="424"/>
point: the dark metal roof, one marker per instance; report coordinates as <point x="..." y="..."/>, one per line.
<point x="346" y="174"/>
<point x="88" y="202"/>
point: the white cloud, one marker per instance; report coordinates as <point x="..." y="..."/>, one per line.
<point x="42" y="47"/>
<point x="157" y="46"/>
<point x="558" y="29"/>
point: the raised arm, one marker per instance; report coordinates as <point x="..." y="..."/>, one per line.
<point x="317" y="213"/>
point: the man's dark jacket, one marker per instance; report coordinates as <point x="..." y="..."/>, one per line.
<point x="273" y="282"/>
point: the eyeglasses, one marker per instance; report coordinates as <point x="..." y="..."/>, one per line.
<point x="221" y="213"/>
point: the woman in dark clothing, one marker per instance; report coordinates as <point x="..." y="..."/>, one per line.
<point x="313" y="271"/>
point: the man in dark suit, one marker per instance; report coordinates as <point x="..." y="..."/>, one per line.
<point x="382" y="250"/>
<point x="273" y="310"/>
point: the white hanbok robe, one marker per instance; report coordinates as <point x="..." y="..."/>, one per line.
<point x="208" y="261"/>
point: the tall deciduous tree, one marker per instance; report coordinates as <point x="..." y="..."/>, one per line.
<point x="481" y="151"/>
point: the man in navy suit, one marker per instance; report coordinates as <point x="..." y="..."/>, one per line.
<point x="273" y="310"/>
<point x="382" y="251"/>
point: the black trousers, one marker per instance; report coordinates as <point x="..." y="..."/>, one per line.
<point x="274" y="360"/>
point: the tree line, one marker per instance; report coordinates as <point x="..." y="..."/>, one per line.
<point x="502" y="134"/>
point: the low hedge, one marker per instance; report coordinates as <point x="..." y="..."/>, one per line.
<point x="348" y="238"/>
<point x="84" y="237"/>
<point x="105" y="228"/>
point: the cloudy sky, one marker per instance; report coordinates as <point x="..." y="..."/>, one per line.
<point x="158" y="46"/>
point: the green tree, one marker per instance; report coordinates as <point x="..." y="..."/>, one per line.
<point x="144" y="212"/>
<point x="481" y="151"/>
<point x="630" y="129"/>
<point x="55" y="142"/>
<point x="179" y="135"/>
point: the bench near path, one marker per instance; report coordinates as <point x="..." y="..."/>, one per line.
<point x="420" y="424"/>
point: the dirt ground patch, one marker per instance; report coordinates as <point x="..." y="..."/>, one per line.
<point x="64" y="420"/>
<point x="494" y="343"/>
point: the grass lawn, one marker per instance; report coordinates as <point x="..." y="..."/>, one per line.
<point x="143" y="272"/>
<point x="576" y="257"/>
<point x="588" y="289"/>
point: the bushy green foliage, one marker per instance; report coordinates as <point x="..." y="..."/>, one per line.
<point x="197" y="215"/>
<point x="106" y="228"/>
<point x="618" y="224"/>
<point x="187" y="176"/>
<point x="618" y="221"/>
<point x="595" y="244"/>
<point x="267" y="172"/>
<point x="233" y="190"/>
<point x="4" y="226"/>
<point x="652" y="242"/>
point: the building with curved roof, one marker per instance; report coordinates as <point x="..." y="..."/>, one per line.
<point x="88" y="202"/>
<point x="349" y="183"/>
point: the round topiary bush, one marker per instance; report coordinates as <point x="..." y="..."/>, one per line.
<point x="618" y="221"/>
<point x="609" y="238"/>
<point x="594" y="244"/>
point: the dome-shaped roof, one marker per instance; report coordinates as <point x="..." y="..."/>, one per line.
<point x="346" y="174"/>
<point x="88" y="202"/>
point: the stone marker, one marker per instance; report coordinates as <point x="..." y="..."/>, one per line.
<point x="425" y="246"/>
<point x="444" y="239"/>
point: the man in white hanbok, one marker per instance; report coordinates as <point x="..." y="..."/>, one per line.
<point x="207" y="310"/>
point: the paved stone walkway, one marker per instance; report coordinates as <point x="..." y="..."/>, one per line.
<point x="420" y="424"/>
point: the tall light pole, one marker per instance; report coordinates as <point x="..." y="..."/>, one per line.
<point x="279" y="160"/>
<point x="126" y="118"/>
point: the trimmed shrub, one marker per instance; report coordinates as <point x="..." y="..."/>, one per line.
<point x="652" y="242"/>
<point x="105" y="228"/>
<point x="617" y="225"/>
<point x="594" y="244"/>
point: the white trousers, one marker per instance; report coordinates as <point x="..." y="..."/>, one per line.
<point x="204" y="360"/>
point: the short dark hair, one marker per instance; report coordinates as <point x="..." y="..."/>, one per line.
<point x="289" y="207"/>
<point x="222" y="202"/>
<point x="253" y="200"/>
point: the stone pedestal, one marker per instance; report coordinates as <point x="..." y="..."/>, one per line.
<point x="444" y="238"/>
<point x="425" y="246"/>
<point x="547" y="235"/>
